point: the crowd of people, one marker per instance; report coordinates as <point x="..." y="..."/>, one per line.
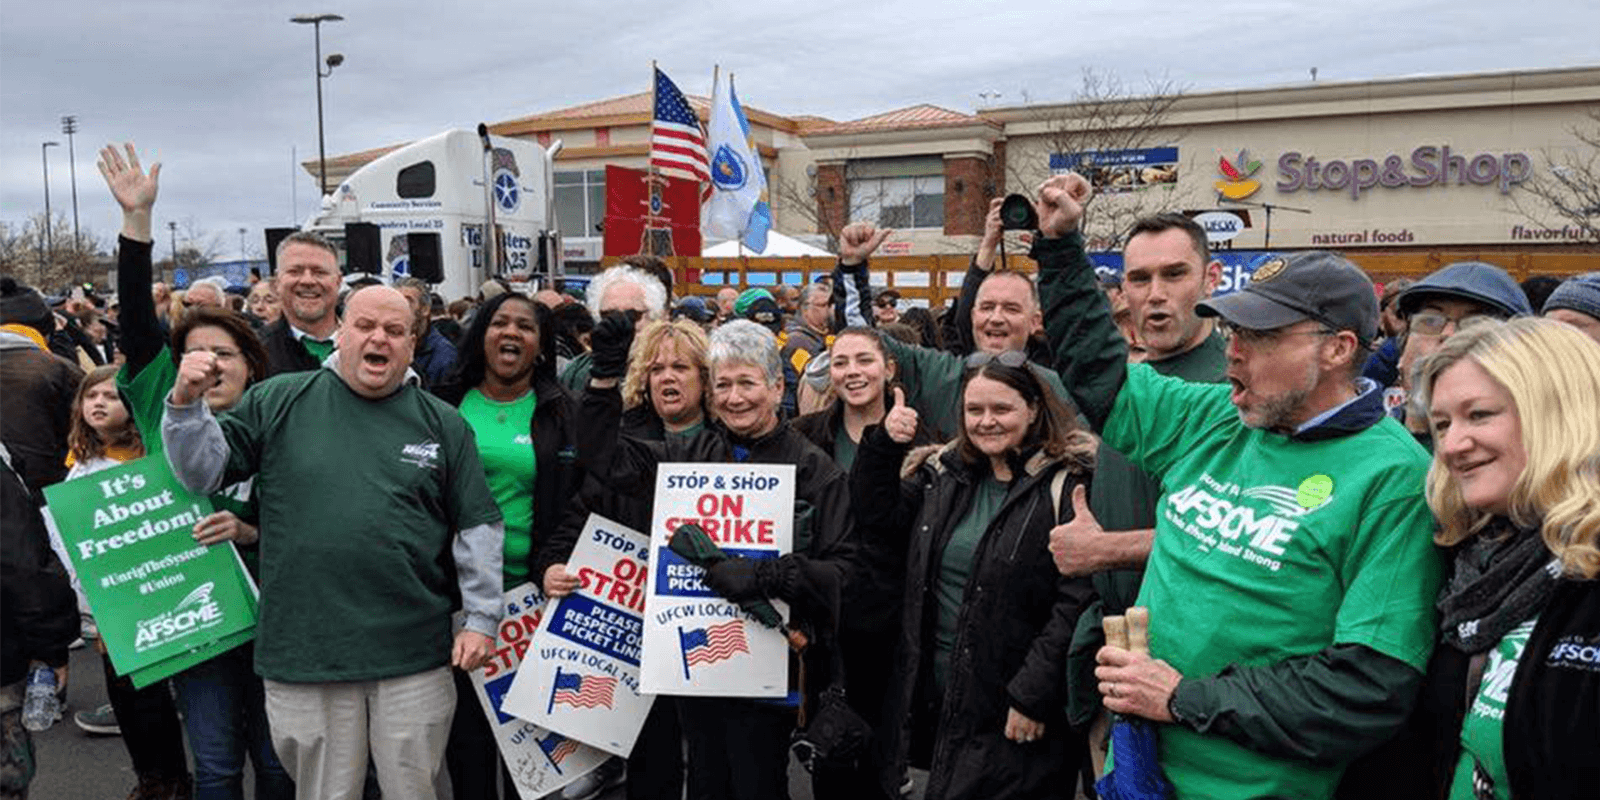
<point x="1363" y="520"/>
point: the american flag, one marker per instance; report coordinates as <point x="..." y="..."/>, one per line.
<point x="677" y="144"/>
<point x="713" y="643"/>
<point x="582" y="691"/>
<point x="556" y="748"/>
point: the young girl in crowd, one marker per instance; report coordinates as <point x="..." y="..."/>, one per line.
<point x="1512" y="699"/>
<point x="223" y="702"/>
<point x="978" y="689"/>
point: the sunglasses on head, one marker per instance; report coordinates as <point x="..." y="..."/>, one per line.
<point x="1008" y="358"/>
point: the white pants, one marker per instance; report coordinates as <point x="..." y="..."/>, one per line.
<point x="323" y="731"/>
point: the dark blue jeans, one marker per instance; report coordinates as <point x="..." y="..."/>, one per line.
<point x="225" y="714"/>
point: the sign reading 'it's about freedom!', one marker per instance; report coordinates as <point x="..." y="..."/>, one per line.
<point x="585" y="681"/>
<point x="695" y="641"/>
<point x="162" y="602"/>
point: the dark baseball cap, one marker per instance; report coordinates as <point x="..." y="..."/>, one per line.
<point x="1484" y="284"/>
<point x="1315" y="284"/>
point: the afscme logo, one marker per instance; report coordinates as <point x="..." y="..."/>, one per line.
<point x="1266" y="533"/>
<point x="196" y="612"/>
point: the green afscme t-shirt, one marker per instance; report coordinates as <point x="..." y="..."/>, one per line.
<point x="505" y="446"/>
<point x="1481" y="769"/>
<point x="360" y="500"/>
<point x="1268" y="548"/>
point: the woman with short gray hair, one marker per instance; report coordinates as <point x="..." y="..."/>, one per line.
<point x="737" y="747"/>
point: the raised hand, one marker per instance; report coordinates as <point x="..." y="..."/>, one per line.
<point x="901" y="421"/>
<point x="611" y="338"/>
<point x="992" y="231"/>
<point x="132" y="188"/>
<point x="859" y="240"/>
<point x="1061" y="202"/>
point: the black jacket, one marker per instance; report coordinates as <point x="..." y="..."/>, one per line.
<point x="558" y="513"/>
<point x="824" y="556"/>
<point x="284" y="352"/>
<point x="1012" y="633"/>
<point x="626" y="508"/>
<point x="1552" y="720"/>
<point x="38" y="611"/>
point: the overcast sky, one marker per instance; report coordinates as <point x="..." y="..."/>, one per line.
<point x="220" y="93"/>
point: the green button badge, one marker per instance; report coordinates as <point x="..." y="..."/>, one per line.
<point x="1314" y="491"/>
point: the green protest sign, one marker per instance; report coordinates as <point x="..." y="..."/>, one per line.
<point x="163" y="603"/>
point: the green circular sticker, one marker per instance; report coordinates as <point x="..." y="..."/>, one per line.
<point x="1314" y="491"/>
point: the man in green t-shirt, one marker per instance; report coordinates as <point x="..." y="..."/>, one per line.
<point x="375" y="519"/>
<point x="1292" y="576"/>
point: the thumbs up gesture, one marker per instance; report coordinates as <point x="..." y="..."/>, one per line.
<point x="901" y="421"/>
<point x="859" y="240"/>
<point x="1070" y="543"/>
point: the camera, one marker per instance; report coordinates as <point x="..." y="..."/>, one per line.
<point x="1017" y="214"/>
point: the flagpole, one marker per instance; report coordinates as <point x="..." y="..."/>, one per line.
<point x="556" y="687"/>
<point x="684" y="650"/>
<point x="650" y="167"/>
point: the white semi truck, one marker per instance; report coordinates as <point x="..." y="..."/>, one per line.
<point x="422" y="210"/>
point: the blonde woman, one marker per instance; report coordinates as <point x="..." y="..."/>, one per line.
<point x="1512" y="703"/>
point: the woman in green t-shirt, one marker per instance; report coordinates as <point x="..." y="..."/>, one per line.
<point x="1513" y="691"/>
<point x="504" y="385"/>
<point x="979" y="688"/>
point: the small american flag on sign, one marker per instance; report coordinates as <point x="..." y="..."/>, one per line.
<point x="713" y="643"/>
<point x="582" y="691"/>
<point x="556" y="748"/>
<point x="677" y="143"/>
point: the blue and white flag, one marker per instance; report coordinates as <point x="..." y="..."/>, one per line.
<point x="738" y="206"/>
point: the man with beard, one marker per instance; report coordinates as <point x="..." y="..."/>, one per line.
<point x="364" y="555"/>
<point x="307" y="282"/>
<point x="1292" y="577"/>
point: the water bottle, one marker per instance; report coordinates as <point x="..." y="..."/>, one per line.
<point x="41" y="706"/>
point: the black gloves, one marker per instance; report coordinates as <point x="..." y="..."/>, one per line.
<point x="611" y="338"/>
<point x="740" y="579"/>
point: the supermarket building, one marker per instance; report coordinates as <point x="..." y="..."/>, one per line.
<point x="1401" y="174"/>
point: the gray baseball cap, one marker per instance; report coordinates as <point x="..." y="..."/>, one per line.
<point x="1315" y="284"/>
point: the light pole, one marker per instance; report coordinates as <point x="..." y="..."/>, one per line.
<point x="173" y="227"/>
<point x="69" y="126"/>
<point x="46" y="255"/>
<point x="334" y="60"/>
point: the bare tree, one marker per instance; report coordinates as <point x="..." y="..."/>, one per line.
<point x="1566" y="193"/>
<point x="53" y="262"/>
<point x="1105" y="117"/>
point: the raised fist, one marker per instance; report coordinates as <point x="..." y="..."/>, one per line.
<point x="1061" y="202"/>
<point x="859" y="240"/>
<point x="197" y="373"/>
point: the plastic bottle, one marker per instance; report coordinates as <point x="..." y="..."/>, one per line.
<point x="41" y="707"/>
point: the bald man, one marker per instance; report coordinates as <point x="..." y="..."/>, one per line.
<point x="378" y="488"/>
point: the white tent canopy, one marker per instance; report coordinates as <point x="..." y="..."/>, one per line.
<point x="778" y="246"/>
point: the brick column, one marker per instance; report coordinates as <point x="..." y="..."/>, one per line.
<point x="833" y="199"/>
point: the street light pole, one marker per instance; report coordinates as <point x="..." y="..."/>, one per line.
<point x="173" y="227"/>
<point x="46" y="255"/>
<point x="315" y="21"/>
<point x="69" y="126"/>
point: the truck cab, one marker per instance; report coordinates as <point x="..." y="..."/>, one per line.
<point x="422" y="210"/>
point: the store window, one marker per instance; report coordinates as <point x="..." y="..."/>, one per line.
<point x="897" y="193"/>
<point x="580" y="201"/>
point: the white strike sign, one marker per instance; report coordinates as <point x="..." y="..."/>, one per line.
<point x="584" y="680"/>
<point x="695" y="641"/>
<point x="540" y="761"/>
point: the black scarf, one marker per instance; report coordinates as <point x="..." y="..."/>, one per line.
<point x="1503" y="577"/>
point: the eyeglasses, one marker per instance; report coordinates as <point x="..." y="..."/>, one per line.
<point x="884" y="303"/>
<point x="1007" y="358"/>
<point x="222" y="353"/>
<point x="1432" y="323"/>
<point x="1256" y="338"/>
